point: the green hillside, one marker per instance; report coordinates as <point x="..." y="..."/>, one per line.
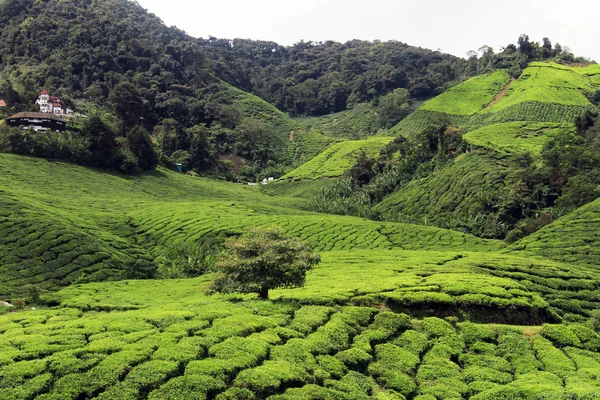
<point x="65" y="223"/>
<point x="548" y="83"/>
<point x="337" y="159"/>
<point x="517" y="117"/>
<point x="516" y="137"/>
<point x="421" y="302"/>
<point x="454" y="196"/>
<point x="469" y="97"/>
<point x="573" y="238"/>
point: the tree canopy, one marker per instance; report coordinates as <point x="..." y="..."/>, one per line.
<point x="263" y="259"/>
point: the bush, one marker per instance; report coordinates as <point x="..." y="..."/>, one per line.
<point x="435" y="327"/>
<point x="266" y="379"/>
<point x="472" y="333"/>
<point x="295" y="351"/>
<point x="413" y="341"/>
<point x="590" y="340"/>
<point x="188" y="387"/>
<point x="391" y="357"/>
<point x="354" y="358"/>
<point x="398" y="381"/>
<point x="332" y="365"/>
<point x="553" y="360"/>
<point x="560" y="335"/>
<point x="516" y="350"/>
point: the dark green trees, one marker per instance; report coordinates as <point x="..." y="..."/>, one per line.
<point x="102" y="142"/>
<point x="141" y="146"/>
<point x="263" y="259"/>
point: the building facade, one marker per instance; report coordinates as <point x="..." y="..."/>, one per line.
<point x="52" y="104"/>
<point x="38" y="121"/>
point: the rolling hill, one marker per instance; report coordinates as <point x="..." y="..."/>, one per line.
<point x="368" y="323"/>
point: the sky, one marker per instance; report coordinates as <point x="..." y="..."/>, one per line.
<point x="452" y="26"/>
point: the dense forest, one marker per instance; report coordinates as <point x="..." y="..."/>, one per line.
<point x="114" y="59"/>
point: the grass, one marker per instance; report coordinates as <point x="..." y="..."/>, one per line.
<point x="337" y="159"/>
<point x="516" y="137"/>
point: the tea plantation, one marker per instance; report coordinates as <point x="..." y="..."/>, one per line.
<point x="394" y="310"/>
<point x="398" y="308"/>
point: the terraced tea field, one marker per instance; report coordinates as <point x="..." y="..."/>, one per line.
<point x="394" y="311"/>
<point x="547" y="82"/>
<point x="516" y="137"/>
<point x="166" y="340"/>
<point x="63" y="223"/>
<point x="336" y="160"/>
<point x="456" y="192"/>
<point x="469" y="97"/>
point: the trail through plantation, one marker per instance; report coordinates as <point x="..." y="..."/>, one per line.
<point x="500" y="95"/>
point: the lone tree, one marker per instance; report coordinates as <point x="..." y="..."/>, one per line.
<point x="263" y="259"/>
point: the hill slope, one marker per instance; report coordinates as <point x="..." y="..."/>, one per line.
<point x="90" y="224"/>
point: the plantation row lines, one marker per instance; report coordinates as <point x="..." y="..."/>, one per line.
<point x="192" y="222"/>
<point x="272" y="350"/>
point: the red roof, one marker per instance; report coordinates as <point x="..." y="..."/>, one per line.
<point x="56" y="104"/>
<point x="44" y="91"/>
<point x="2" y="103"/>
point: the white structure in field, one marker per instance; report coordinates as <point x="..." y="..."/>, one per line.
<point x="52" y="104"/>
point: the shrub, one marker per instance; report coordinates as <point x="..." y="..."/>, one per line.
<point x="437" y="368"/>
<point x="435" y="327"/>
<point x="188" y="387"/>
<point x="516" y="349"/>
<point x="312" y="392"/>
<point x="354" y="383"/>
<point x="361" y="315"/>
<point x="236" y="394"/>
<point x="332" y="365"/>
<point x="590" y="340"/>
<point x="391" y="357"/>
<point x="332" y="337"/>
<point x="560" y="335"/>
<point x="472" y="333"/>
<point x="479" y="373"/>
<point x="354" y="358"/>
<point x="398" y="381"/>
<point x="308" y="318"/>
<point x="295" y="351"/>
<point x="267" y="378"/>
<point x="392" y="322"/>
<point x="553" y="360"/>
<point x="412" y="341"/>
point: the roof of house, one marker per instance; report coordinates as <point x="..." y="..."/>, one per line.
<point x="44" y="91"/>
<point x="28" y="114"/>
<point x="2" y="103"/>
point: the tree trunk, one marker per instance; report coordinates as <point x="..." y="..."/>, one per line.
<point x="263" y="293"/>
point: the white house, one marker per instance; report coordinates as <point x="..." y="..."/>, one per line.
<point x="52" y="104"/>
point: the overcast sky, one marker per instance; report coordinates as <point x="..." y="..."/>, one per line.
<point x="453" y="26"/>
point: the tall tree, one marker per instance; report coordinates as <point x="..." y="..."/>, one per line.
<point x="141" y="146"/>
<point x="128" y="104"/>
<point x="102" y="142"/>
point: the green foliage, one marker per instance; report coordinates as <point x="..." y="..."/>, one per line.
<point x="560" y="335"/>
<point x="547" y="83"/>
<point x="337" y="159"/>
<point x="470" y="96"/>
<point x="516" y="137"/>
<point x="263" y="259"/>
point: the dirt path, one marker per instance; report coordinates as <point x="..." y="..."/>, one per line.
<point x="500" y="95"/>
